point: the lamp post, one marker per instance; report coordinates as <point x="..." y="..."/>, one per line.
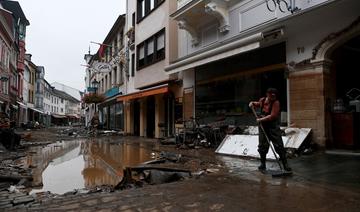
<point x="95" y="84"/>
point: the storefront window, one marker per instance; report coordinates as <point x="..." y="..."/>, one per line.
<point x="112" y="117"/>
<point x="105" y="117"/>
<point x="119" y="116"/>
<point x="224" y="89"/>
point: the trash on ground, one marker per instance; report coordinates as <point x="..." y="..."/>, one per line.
<point x="136" y="176"/>
<point x="246" y="145"/>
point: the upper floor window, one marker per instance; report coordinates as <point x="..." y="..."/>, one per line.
<point x="5" y="87"/>
<point x="151" y="50"/>
<point x="144" y="7"/>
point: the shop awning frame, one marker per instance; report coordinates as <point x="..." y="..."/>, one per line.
<point x="144" y="93"/>
<point x="36" y="110"/>
<point x="15" y="106"/>
<point x="22" y="104"/>
<point x="224" y="51"/>
<point x="73" y="116"/>
<point x="58" y="116"/>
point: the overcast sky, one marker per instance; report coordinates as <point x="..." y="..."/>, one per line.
<point x="60" y="33"/>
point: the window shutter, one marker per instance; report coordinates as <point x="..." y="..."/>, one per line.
<point x="141" y="53"/>
<point x="161" y="41"/>
<point x="150" y="47"/>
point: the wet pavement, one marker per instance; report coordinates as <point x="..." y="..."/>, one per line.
<point x="210" y="193"/>
<point x="84" y="164"/>
<point x="321" y="182"/>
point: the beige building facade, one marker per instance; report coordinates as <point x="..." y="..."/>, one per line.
<point x="152" y="94"/>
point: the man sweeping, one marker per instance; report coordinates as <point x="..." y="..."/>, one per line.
<point x="269" y="119"/>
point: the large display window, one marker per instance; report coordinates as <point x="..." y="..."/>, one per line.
<point x="225" y="88"/>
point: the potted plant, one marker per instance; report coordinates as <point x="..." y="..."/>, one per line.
<point x="93" y="98"/>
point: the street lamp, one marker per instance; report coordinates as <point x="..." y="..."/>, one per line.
<point x="95" y="84"/>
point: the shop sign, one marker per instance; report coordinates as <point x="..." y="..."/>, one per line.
<point x="112" y="92"/>
<point x="102" y="67"/>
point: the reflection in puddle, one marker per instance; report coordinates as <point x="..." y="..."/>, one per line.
<point x="65" y="166"/>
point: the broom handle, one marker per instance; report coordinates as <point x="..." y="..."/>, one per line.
<point x="267" y="138"/>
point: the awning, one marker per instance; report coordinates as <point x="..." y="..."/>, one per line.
<point x="15" y="107"/>
<point x="58" y="116"/>
<point x="223" y="51"/>
<point x="22" y="104"/>
<point x="36" y="110"/>
<point x="148" y="92"/>
<point x="73" y="116"/>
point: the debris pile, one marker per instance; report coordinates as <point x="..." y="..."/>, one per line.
<point x="245" y="145"/>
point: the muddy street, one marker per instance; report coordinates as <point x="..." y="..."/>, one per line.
<point x="87" y="174"/>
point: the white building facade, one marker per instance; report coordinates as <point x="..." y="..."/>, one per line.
<point x="231" y="51"/>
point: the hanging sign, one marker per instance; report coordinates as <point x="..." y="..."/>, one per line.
<point x="102" y="67"/>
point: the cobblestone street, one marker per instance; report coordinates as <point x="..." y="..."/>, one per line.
<point x="210" y="193"/>
<point x="231" y="184"/>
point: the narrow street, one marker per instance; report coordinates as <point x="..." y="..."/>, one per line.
<point x="179" y="105"/>
<point x="230" y="184"/>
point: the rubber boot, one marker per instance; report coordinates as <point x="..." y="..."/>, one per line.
<point x="285" y="164"/>
<point x="262" y="166"/>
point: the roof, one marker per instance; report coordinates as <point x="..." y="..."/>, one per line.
<point x="67" y="89"/>
<point x="16" y="9"/>
<point x="64" y="95"/>
<point x="119" y="24"/>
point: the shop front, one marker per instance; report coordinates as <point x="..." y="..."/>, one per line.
<point x="112" y="115"/>
<point x="337" y="82"/>
<point x="150" y="112"/>
<point x="224" y="89"/>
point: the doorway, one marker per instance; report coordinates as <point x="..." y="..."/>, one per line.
<point x="136" y="120"/>
<point x="345" y="96"/>
<point x="150" y="119"/>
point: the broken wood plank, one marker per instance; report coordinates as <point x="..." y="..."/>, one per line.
<point x="14" y="178"/>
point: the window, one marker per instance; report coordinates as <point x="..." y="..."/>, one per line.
<point x="145" y="7"/>
<point x="121" y="74"/>
<point x="62" y="110"/>
<point x="121" y="41"/>
<point x="111" y="80"/>
<point x="160" y="41"/>
<point x="141" y="56"/>
<point x="152" y="50"/>
<point x="133" y="20"/>
<point x="133" y="65"/>
<point x="5" y="87"/>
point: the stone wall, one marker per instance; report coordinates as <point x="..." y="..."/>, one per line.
<point x="309" y="86"/>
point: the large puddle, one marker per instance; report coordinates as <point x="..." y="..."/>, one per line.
<point x="64" y="166"/>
